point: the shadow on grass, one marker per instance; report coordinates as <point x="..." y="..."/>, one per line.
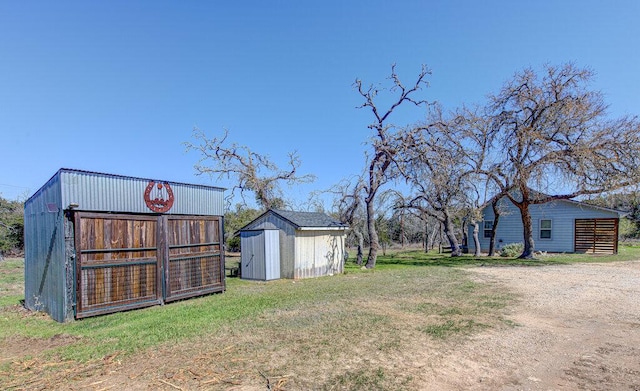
<point x="420" y="258"/>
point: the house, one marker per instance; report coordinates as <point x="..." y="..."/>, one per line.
<point x="288" y="244"/>
<point x="558" y="226"/>
<point x="98" y="243"/>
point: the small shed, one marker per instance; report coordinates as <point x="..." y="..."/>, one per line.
<point x="99" y="243"/>
<point x="558" y="226"/>
<point x="310" y="244"/>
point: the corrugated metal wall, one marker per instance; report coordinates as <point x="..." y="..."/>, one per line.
<point x="50" y="274"/>
<point x="319" y="253"/>
<point x="260" y="259"/>
<point x="114" y="193"/>
<point x="46" y="263"/>
<point x="287" y="241"/>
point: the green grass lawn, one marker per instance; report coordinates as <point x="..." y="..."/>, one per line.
<point x="408" y="295"/>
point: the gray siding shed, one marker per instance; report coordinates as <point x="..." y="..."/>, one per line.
<point x="311" y="244"/>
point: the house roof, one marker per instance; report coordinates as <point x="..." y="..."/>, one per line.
<point x="568" y="200"/>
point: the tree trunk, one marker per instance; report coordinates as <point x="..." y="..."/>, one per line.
<point x="360" y="247"/>
<point x="529" y="245"/>
<point x="451" y="237"/>
<point x="494" y="229"/>
<point x="402" y="231"/>
<point x="465" y="235"/>
<point x="374" y="243"/>
<point x="426" y="237"/>
<point x="432" y="238"/>
<point x="476" y="239"/>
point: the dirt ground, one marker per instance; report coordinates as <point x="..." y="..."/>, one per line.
<point x="575" y="327"/>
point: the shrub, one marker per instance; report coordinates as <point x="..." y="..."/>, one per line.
<point x="511" y="250"/>
<point x="233" y="244"/>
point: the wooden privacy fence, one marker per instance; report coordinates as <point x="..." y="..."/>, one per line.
<point x="596" y="236"/>
<point x="132" y="261"/>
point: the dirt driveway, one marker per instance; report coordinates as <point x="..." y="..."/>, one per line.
<point x="578" y="328"/>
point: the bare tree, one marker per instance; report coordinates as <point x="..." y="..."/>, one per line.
<point x="348" y="204"/>
<point x="251" y="171"/>
<point x="497" y="212"/>
<point x="386" y="141"/>
<point x="552" y="132"/>
<point x="436" y="169"/>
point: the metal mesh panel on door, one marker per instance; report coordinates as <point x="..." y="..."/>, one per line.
<point x="195" y="264"/>
<point x="117" y="265"/>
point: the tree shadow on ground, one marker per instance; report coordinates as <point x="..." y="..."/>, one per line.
<point x="420" y="258"/>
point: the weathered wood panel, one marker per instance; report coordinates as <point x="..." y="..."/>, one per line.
<point x="195" y="261"/>
<point x="596" y="236"/>
<point x="117" y="264"/>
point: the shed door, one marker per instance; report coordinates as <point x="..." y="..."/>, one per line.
<point x="260" y="255"/>
<point x="195" y="261"/>
<point x="596" y="236"/>
<point x="117" y="264"/>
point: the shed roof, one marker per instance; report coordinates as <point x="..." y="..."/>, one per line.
<point x="303" y="220"/>
<point x="308" y="219"/>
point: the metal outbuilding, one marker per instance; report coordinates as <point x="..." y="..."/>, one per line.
<point x="308" y="244"/>
<point x="98" y="243"/>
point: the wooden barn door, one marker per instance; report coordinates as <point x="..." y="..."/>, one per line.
<point x="117" y="265"/>
<point x="195" y="263"/>
<point x="596" y="236"/>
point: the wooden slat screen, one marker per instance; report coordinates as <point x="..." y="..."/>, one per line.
<point x="596" y="236"/>
<point x="117" y="264"/>
<point x="195" y="261"/>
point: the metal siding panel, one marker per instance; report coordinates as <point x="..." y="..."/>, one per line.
<point x="270" y="221"/>
<point x="45" y="268"/>
<point x="320" y="250"/>
<point x="318" y="253"/>
<point x="250" y="242"/>
<point x="305" y="254"/>
<point x="272" y="254"/>
<point x="260" y="255"/>
<point x="335" y="252"/>
<point x="111" y="193"/>
<point x="259" y="262"/>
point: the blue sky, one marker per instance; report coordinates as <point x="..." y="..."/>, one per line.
<point x="118" y="86"/>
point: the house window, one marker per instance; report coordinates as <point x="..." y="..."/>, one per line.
<point x="545" y="229"/>
<point x="488" y="226"/>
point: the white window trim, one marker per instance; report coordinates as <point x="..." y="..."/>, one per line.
<point x="540" y="229"/>
<point x="484" y="230"/>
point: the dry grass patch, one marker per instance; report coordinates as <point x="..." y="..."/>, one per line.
<point x="363" y="330"/>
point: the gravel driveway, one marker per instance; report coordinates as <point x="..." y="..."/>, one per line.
<point x="577" y="328"/>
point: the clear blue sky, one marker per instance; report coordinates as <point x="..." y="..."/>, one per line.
<point x="117" y="86"/>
